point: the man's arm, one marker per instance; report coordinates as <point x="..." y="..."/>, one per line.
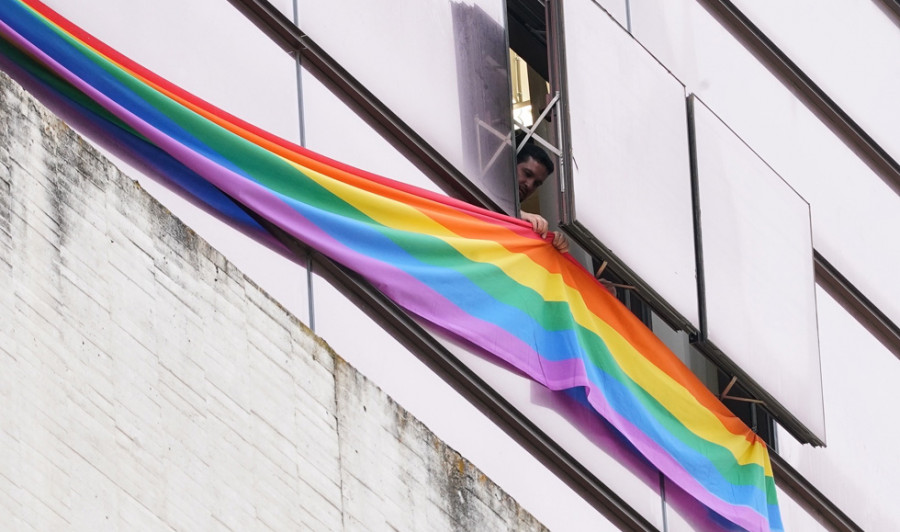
<point x="540" y="226"/>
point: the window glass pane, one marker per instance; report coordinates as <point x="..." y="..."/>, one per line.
<point x="680" y="344"/>
<point x="758" y="271"/>
<point x="443" y="71"/>
<point x="631" y="173"/>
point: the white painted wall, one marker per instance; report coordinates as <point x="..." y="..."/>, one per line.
<point x="146" y="383"/>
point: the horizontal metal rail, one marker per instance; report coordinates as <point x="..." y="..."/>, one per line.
<point x="858" y="304"/>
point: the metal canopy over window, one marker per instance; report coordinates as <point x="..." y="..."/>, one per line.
<point x="629" y="195"/>
<point x="758" y="300"/>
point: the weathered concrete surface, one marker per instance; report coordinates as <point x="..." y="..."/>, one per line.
<point x="145" y="383"/>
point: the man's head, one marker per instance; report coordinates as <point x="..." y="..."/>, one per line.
<point x="533" y="166"/>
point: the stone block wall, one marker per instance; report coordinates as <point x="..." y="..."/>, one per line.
<point x="147" y="384"/>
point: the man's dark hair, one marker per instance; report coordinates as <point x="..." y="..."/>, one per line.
<point x="533" y="151"/>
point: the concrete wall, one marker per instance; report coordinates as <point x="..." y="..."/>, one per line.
<point x="145" y="383"/>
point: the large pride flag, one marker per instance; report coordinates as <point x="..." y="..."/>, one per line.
<point x="480" y="276"/>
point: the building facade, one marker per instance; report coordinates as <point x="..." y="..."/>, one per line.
<point x="730" y="164"/>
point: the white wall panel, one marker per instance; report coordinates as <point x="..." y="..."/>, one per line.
<point x="334" y="130"/>
<point x="285" y="6"/>
<point x="685" y="514"/>
<point x="757" y="265"/>
<point x="855" y="215"/>
<point x="629" y="142"/>
<point x="849" y="48"/>
<point x="441" y="66"/>
<point x="205" y="46"/>
<point x="859" y="468"/>
<point x="618" y="9"/>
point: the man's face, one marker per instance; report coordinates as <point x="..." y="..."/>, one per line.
<point x="530" y="174"/>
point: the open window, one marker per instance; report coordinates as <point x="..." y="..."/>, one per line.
<point x="614" y="120"/>
<point x="535" y="104"/>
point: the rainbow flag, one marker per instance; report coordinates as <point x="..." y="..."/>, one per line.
<point x="480" y="276"/>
